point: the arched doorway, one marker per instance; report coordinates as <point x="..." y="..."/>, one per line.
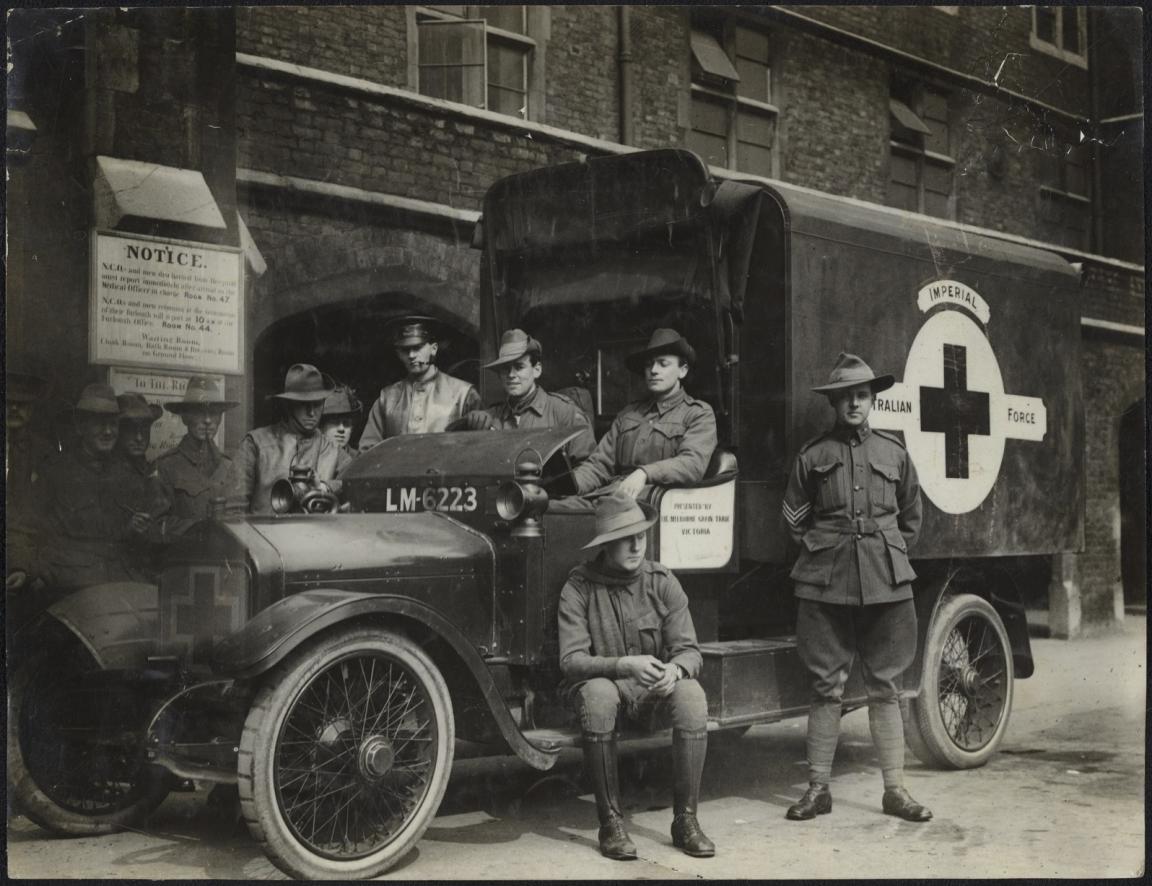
<point x="349" y="340"/>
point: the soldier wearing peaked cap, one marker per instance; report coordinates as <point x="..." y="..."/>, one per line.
<point x="853" y="505"/>
<point x="527" y="404"/>
<point x="426" y="400"/>
<point x="195" y="473"/>
<point x="294" y="443"/>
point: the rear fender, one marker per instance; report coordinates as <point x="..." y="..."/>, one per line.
<point x="998" y="591"/>
<point x="275" y="632"/>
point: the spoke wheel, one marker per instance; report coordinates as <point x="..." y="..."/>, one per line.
<point x="76" y="759"/>
<point x="965" y="699"/>
<point x="346" y="755"/>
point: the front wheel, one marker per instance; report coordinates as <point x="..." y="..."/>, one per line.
<point x="76" y="759"/>
<point x="965" y="699"/>
<point x="346" y="754"/>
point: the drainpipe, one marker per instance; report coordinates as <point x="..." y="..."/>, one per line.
<point x="1095" y="130"/>
<point x="624" y="59"/>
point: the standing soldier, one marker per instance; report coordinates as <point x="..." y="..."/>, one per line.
<point x="82" y="519"/>
<point x="140" y="492"/>
<point x="628" y="650"/>
<point x="427" y="400"/>
<point x="196" y="472"/>
<point x="292" y="444"/>
<point x="853" y="504"/>
<point x="528" y="405"/>
<point x="338" y="421"/>
<point x="666" y="438"/>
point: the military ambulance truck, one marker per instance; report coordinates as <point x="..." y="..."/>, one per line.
<point x="330" y="658"/>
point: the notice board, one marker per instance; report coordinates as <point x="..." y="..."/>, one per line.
<point x="167" y="304"/>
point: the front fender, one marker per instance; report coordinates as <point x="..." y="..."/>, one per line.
<point x="283" y="627"/>
<point x="118" y="623"/>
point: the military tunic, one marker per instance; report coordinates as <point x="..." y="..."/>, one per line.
<point x="194" y="474"/>
<point x="547" y="410"/>
<point x="83" y="505"/>
<point x="672" y="440"/>
<point x="271" y="453"/>
<point x="853" y="504"/>
<point x="418" y="407"/>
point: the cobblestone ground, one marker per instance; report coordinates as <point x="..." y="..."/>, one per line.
<point x="1063" y="798"/>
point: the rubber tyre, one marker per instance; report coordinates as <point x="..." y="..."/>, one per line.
<point x="37" y="697"/>
<point x="962" y="713"/>
<point x="289" y="705"/>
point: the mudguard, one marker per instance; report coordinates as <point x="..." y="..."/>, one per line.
<point x="118" y="622"/>
<point x="1004" y="599"/>
<point x="275" y="632"/>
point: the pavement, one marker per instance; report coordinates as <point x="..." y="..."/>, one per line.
<point x="1064" y="797"/>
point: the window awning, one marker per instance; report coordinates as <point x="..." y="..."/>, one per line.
<point x="711" y="57"/>
<point x="906" y="118"/>
<point x="20" y="120"/>
<point x="147" y="190"/>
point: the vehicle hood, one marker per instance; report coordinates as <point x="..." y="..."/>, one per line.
<point x="341" y="547"/>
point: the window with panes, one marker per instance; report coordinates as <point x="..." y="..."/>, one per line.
<point x="921" y="164"/>
<point x="1061" y="31"/>
<point x="476" y="55"/>
<point x="733" y="119"/>
<point x="1066" y="194"/>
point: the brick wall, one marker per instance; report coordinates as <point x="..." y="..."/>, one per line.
<point x="1113" y="374"/>
<point x="327" y="133"/>
<point x="582" y="83"/>
<point x="986" y="42"/>
<point x="834" y="118"/>
<point x="660" y="40"/>
<point x="369" y="41"/>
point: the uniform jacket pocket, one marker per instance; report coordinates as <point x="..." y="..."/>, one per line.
<point x="902" y="571"/>
<point x="814" y="566"/>
<point x="828" y="486"/>
<point x="884" y="480"/>
<point x="648" y="628"/>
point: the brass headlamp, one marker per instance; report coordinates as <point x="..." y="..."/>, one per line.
<point x="521" y="501"/>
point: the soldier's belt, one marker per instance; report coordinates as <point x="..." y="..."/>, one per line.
<point x="857" y="526"/>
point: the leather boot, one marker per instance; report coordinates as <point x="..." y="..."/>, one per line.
<point x="688" y="752"/>
<point x="817" y="800"/>
<point x="601" y="764"/>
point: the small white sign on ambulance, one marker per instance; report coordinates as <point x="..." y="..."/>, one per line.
<point x="696" y="527"/>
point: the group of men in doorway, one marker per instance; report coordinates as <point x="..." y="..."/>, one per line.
<point x="98" y="511"/>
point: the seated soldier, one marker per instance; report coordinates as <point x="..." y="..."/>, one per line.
<point x="294" y="443"/>
<point x="140" y="492"/>
<point x="528" y="405"/>
<point x="628" y="647"/>
<point x="666" y="438"/>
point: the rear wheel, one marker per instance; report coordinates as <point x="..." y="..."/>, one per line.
<point x="965" y="699"/>
<point x="346" y="754"/>
<point x="76" y="758"/>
